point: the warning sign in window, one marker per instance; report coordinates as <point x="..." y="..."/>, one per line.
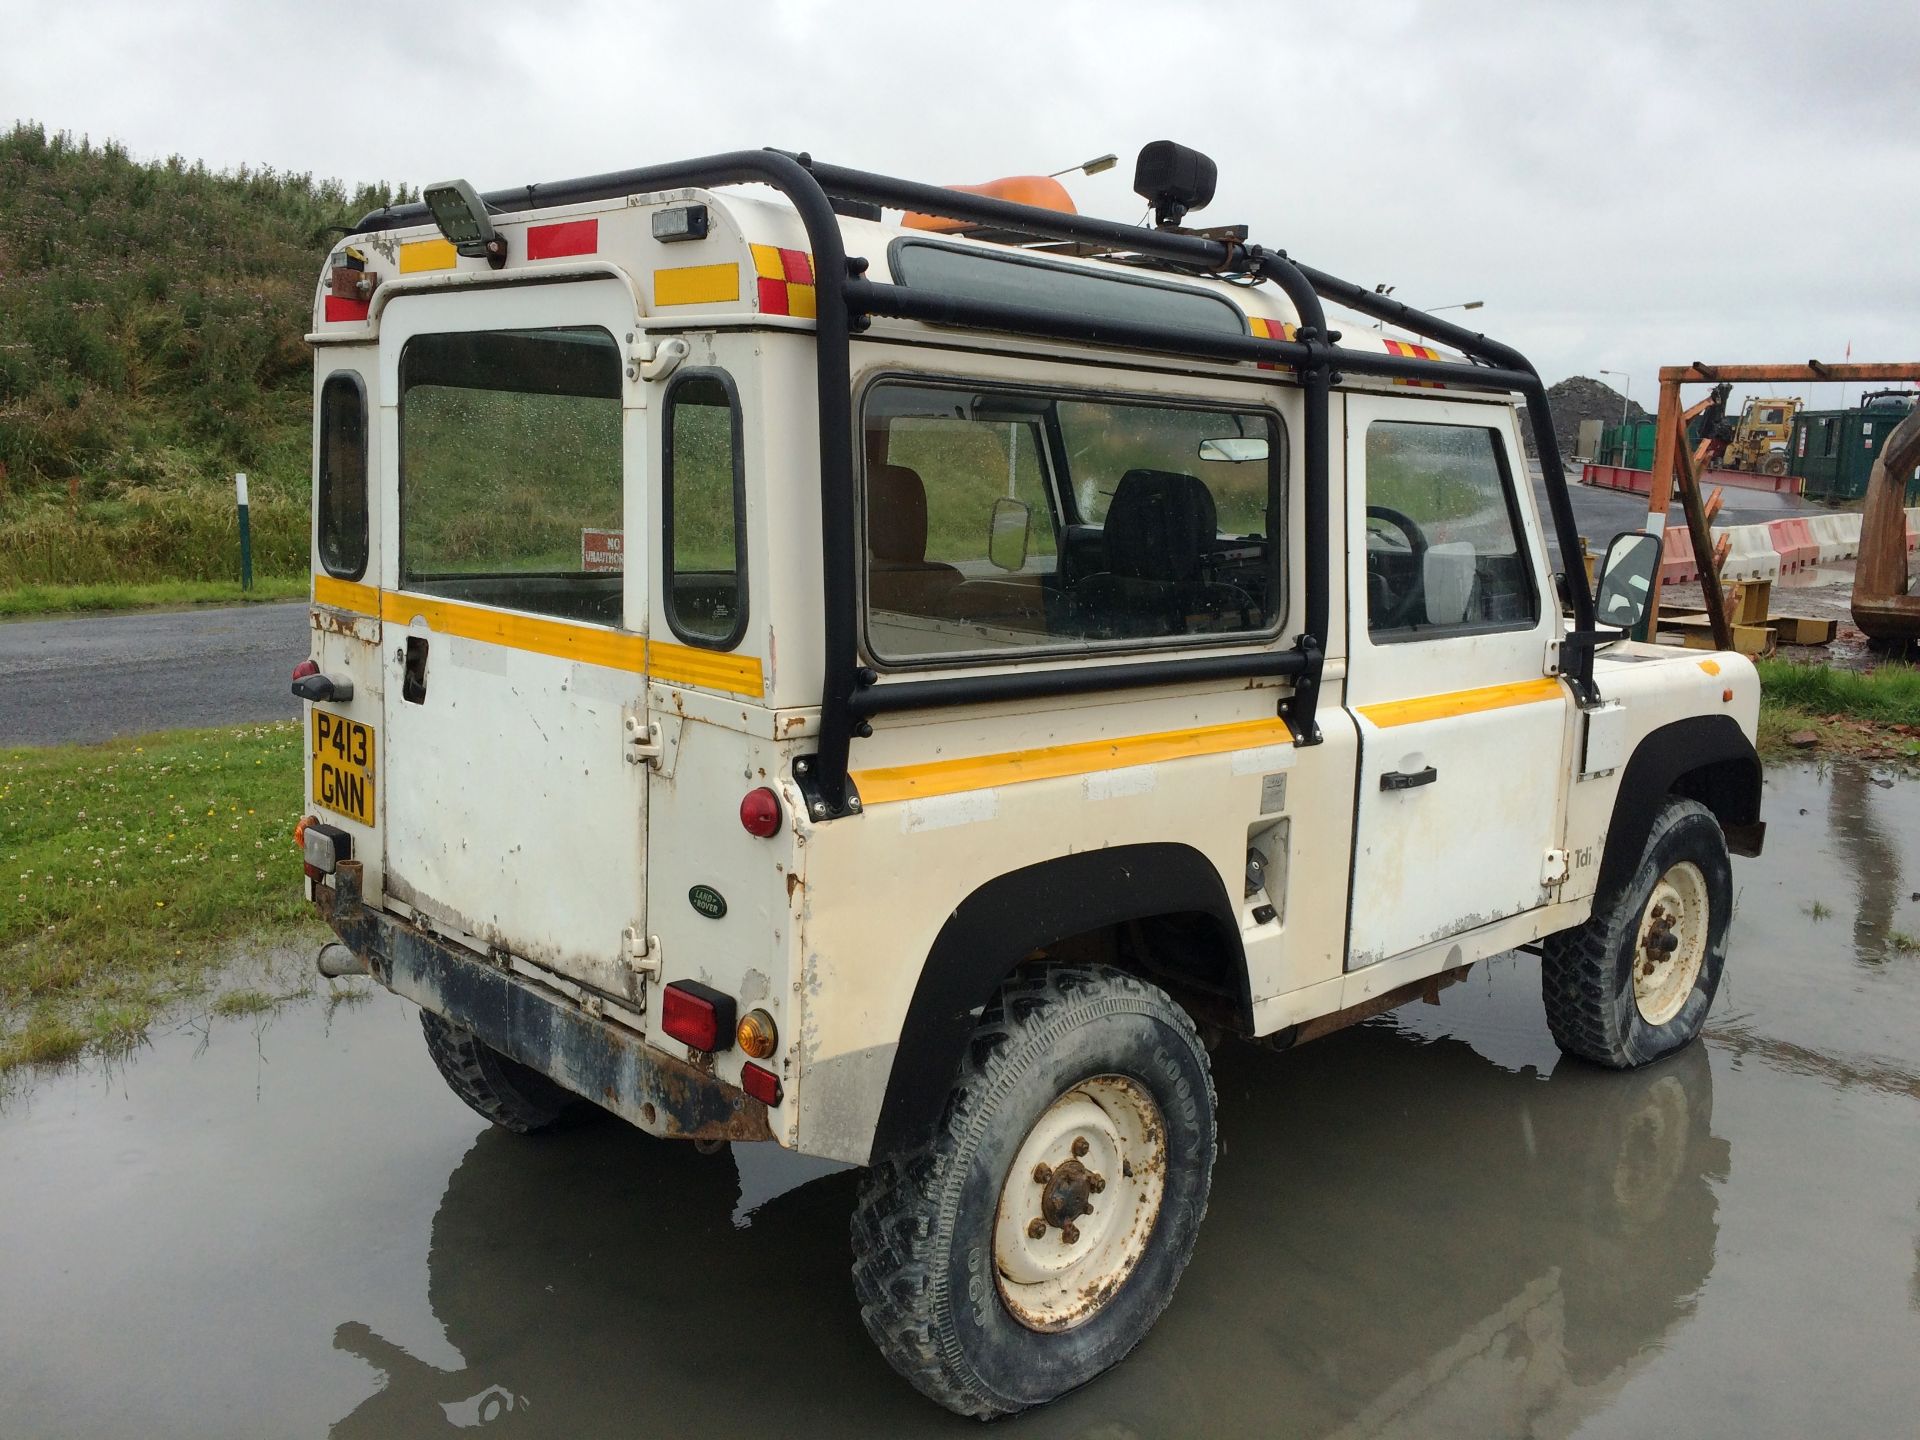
<point x="603" y="550"/>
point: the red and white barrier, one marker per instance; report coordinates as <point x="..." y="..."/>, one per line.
<point x="1794" y="542"/>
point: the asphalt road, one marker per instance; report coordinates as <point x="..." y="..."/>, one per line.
<point x="81" y="680"/>
<point x="92" y="678"/>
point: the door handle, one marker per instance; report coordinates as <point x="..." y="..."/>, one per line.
<point x="1408" y="779"/>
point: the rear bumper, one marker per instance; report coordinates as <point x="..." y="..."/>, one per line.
<point x="540" y="1028"/>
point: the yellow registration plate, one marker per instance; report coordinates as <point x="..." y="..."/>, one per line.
<point x="343" y="766"/>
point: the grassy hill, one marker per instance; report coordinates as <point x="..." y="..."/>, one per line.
<point x="151" y="317"/>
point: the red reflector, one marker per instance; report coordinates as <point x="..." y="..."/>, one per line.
<point x="697" y="1015"/>
<point x="340" y="308"/>
<point x="762" y="1084"/>
<point x="773" y="297"/>
<point x="304" y="669"/>
<point x="569" y="237"/>
<point x="760" y="813"/>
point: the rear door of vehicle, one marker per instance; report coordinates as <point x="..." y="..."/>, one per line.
<point x="1461" y="726"/>
<point x="513" y="616"/>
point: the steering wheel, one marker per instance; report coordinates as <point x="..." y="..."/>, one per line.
<point x="1397" y="609"/>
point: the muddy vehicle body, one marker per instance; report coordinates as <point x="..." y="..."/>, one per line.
<point x="905" y="689"/>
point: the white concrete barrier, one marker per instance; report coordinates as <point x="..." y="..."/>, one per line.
<point x="1751" y="555"/>
<point x="1838" y="536"/>
<point x="1913" y="525"/>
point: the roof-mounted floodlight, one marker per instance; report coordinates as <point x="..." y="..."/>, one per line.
<point x="1174" y="180"/>
<point x="461" y="216"/>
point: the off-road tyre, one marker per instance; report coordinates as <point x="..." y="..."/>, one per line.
<point x="502" y="1090"/>
<point x="924" y="1229"/>
<point x="1587" y="973"/>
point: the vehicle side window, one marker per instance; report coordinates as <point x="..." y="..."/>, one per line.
<point x="705" y="494"/>
<point x="1443" y="534"/>
<point x="1001" y="520"/>
<point x="342" y="507"/>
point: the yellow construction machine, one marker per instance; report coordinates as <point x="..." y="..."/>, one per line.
<point x="1759" y="443"/>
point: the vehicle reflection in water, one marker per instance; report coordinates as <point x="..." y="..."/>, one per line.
<point x="1872" y="858"/>
<point x="1405" y="1239"/>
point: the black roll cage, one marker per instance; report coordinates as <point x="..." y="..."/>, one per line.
<point x="845" y="302"/>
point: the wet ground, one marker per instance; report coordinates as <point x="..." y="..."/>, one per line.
<point x="1431" y="1226"/>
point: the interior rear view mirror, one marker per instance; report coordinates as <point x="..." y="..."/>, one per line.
<point x="1007" y="533"/>
<point x="1234" y="448"/>
<point x="1626" y="579"/>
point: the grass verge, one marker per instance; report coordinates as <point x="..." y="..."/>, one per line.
<point x="23" y="600"/>
<point x="133" y="871"/>
<point x="1870" y="713"/>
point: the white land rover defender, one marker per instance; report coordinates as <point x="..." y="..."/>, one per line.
<point x="902" y="686"/>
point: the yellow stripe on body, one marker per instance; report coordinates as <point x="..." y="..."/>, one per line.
<point x="1460" y="702"/>
<point x="882" y="784"/>
<point x="696" y="285"/>
<point x="346" y="595"/>
<point x="615" y="649"/>
<point x="417" y="255"/>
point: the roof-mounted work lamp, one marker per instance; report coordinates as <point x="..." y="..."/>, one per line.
<point x="461" y="217"/>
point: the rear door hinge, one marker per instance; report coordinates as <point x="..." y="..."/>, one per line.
<point x="1554" y="871"/>
<point x="643" y="959"/>
<point x="645" y="745"/>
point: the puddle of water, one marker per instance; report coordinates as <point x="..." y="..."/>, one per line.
<point x="1429" y="1226"/>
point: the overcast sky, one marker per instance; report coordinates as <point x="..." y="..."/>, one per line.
<point x="1625" y="185"/>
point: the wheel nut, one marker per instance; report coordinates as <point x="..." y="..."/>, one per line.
<point x="1079" y="1146"/>
<point x="1036" y="1227"/>
<point x="1070" y="1233"/>
<point x="1096" y="1183"/>
<point x="1042" y="1173"/>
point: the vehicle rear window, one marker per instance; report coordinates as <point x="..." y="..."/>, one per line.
<point x="705" y="542"/>
<point x="341" y="509"/>
<point x="1007" y="280"/>
<point x="510" y="470"/>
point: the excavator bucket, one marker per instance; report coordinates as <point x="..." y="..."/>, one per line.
<point x="1883" y="608"/>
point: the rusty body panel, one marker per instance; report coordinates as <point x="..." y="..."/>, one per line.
<point x="615" y="1069"/>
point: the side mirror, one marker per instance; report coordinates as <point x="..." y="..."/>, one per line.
<point x="1007" y="533"/>
<point x="1626" y="579"/>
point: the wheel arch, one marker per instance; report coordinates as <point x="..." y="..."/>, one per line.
<point x="1705" y="758"/>
<point x="1171" y="886"/>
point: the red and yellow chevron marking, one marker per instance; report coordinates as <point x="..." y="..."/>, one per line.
<point x="1415" y="352"/>
<point x="785" y="280"/>
<point x="1265" y="329"/>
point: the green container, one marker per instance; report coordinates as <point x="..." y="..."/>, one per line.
<point x="1833" y="451"/>
<point x="1629" y="445"/>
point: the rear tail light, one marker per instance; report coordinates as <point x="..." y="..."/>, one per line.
<point x="760" y="813"/>
<point x="304" y="669"/>
<point x="697" y="1015"/>
<point x="323" y="847"/>
<point x="756" y="1034"/>
<point x="762" y="1084"/>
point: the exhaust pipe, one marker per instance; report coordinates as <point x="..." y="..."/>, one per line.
<point x="336" y="961"/>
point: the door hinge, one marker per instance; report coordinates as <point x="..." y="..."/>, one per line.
<point x="644" y="743"/>
<point x="643" y="959"/>
<point x="1554" y="871"/>
<point x="1551" y="664"/>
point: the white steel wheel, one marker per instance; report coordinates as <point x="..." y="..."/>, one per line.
<point x="1079" y="1203"/>
<point x="1671" y="944"/>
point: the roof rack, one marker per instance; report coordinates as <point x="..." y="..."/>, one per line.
<point x="847" y="301"/>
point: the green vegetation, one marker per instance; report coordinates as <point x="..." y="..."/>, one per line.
<point x="1872" y="713"/>
<point x="151" y="324"/>
<point x="73" y="599"/>
<point x="1819" y="910"/>
<point x="132" y="871"/>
